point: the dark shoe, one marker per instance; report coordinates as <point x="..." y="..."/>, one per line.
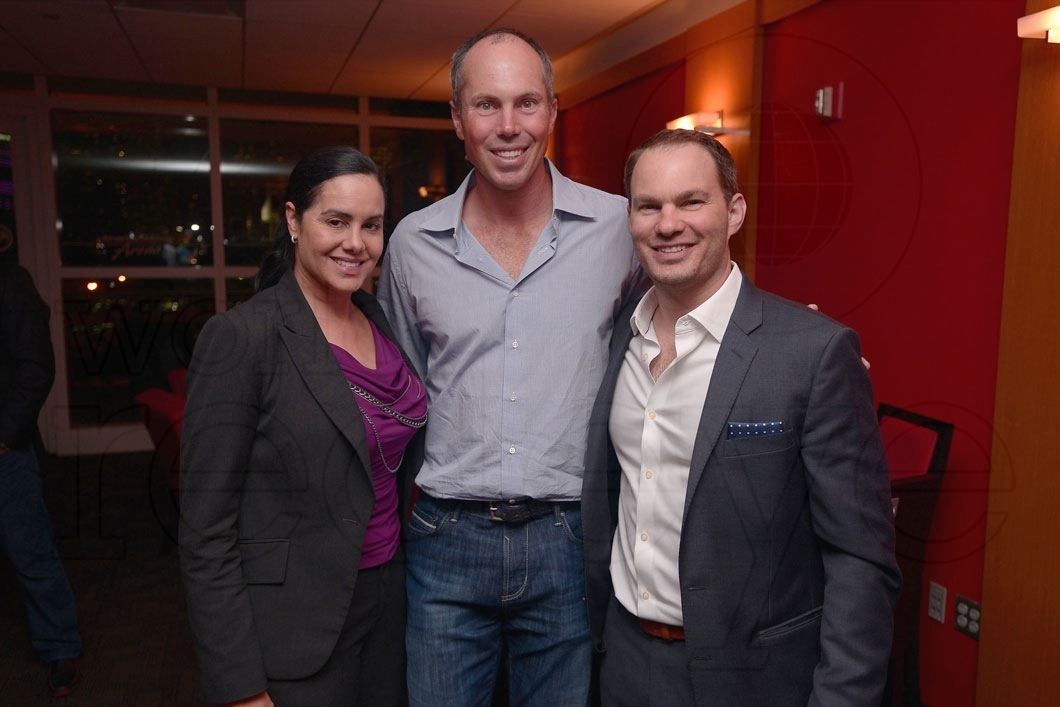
<point x="63" y="676"/>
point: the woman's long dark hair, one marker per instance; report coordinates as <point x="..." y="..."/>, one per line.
<point x="302" y="188"/>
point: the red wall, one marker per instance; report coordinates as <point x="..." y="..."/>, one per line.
<point x="594" y="137"/>
<point x="894" y="219"/>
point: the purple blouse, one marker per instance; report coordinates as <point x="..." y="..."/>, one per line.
<point x="393" y="386"/>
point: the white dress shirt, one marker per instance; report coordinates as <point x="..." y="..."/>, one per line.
<point x="653" y="426"/>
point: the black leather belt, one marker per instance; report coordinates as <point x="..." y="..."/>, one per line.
<point x="513" y="511"/>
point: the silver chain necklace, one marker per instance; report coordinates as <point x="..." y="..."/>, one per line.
<point x="413" y="422"/>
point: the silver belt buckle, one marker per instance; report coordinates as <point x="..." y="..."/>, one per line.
<point x="494" y="507"/>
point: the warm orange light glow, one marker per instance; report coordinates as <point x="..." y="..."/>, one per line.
<point x="121" y="278"/>
<point x="92" y="286"/>
<point x="697" y="121"/>
<point x="1041" y="25"/>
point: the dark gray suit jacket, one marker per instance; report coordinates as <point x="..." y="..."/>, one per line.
<point x="787" y="570"/>
<point x="276" y="491"/>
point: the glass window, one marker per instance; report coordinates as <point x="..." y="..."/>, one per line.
<point x="8" y="244"/>
<point x="241" y="96"/>
<point x="256" y="160"/>
<point x="122" y="336"/>
<point x="15" y="82"/>
<point x="409" y="108"/>
<point x="420" y="166"/>
<point x="59" y="85"/>
<point x="132" y="189"/>
<point x="238" y="289"/>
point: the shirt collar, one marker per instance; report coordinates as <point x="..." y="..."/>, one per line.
<point x="713" y="314"/>
<point x="445" y="215"/>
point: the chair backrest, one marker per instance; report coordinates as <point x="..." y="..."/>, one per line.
<point x="176" y="379"/>
<point x="163" y="413"/>
<point x="915" y="444"/>
<point x="917" y="448"/>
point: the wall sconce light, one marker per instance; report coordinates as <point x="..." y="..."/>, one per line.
<point x="709" y="122"/>
<point x="1041" y="25"/>
<point x="434" y="191"/>
<point x="704" y="122"/>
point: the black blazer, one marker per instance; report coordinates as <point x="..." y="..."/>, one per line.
<point x="276" y="490"/>
<point x="27" y="361"/>
<point x="787" y="570"/>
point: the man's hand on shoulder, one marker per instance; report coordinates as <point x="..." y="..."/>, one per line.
<point x="864" y="361"/>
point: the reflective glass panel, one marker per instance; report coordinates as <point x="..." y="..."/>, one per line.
<point x="132" y="189"/>
<point x="123" y="336"/>
<point x="409" y="108"/>
<point x="8" y="243"/>
<point x="256" y="160"/>
<point x="238" y="289"/>
<point x="420" y="166"/>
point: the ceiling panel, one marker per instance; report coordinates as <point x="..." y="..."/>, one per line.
<point x="324" y="13"/>
<point x="399" y="55"/>
<point x="292" y="57"/>
<point x="16" y="58"/>
<point x="582" y="20"/>
<point x="181" y="48"/>
<point x="387" y="48"/>
<point x="73" y="38"/>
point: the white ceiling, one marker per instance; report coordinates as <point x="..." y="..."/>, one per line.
<point x="385" y="48"/>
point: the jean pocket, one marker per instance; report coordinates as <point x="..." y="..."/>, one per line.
<point x="425" y="519"/>
<point x="571" y="522"/>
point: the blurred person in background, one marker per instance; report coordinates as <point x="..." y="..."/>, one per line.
<point x="27" y="371"/>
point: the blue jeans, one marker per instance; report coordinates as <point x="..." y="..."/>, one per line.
<point x="477" y="588"/>
<point x="26" y="536"/>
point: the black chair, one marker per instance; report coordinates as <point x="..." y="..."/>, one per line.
<point x="917" y="449"/>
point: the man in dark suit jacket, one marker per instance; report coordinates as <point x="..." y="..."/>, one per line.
<point x="736" y="505"/>
<point x="27" y="370"/>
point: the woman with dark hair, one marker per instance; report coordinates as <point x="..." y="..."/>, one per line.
<point x="301" y="437"/>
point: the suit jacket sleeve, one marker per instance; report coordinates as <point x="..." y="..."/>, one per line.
<point x="28" y="355"/>
<point x="851" y="514"/>
<point x="220" y="419"/>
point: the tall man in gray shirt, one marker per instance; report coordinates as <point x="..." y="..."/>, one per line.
<point x="504" y="294"/>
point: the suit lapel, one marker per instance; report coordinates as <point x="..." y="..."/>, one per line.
<point x="318" y="368"/>
<point x="621" y="335"/>
<point x="734" y="359"/>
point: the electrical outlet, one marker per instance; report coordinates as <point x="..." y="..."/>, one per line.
<point x="967" y="616"/>
<point x="937" y="602"/>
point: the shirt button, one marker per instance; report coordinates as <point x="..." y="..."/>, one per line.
<point x="515" y="344"/>
<point x="515" y="293"/>
<point x="645" y="595"/>
<point x="644" y="357"/>
<point x="643" y="536"/>
<point x="649" y="474"/>
<point x="511" y="449"/>
<point x="651" y="414"/>
<point x="512" y="397"/>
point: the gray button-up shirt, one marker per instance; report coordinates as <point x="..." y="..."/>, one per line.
<point x="512" y="366"/>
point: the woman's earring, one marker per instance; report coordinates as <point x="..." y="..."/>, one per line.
<point x="294" y="239"/>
